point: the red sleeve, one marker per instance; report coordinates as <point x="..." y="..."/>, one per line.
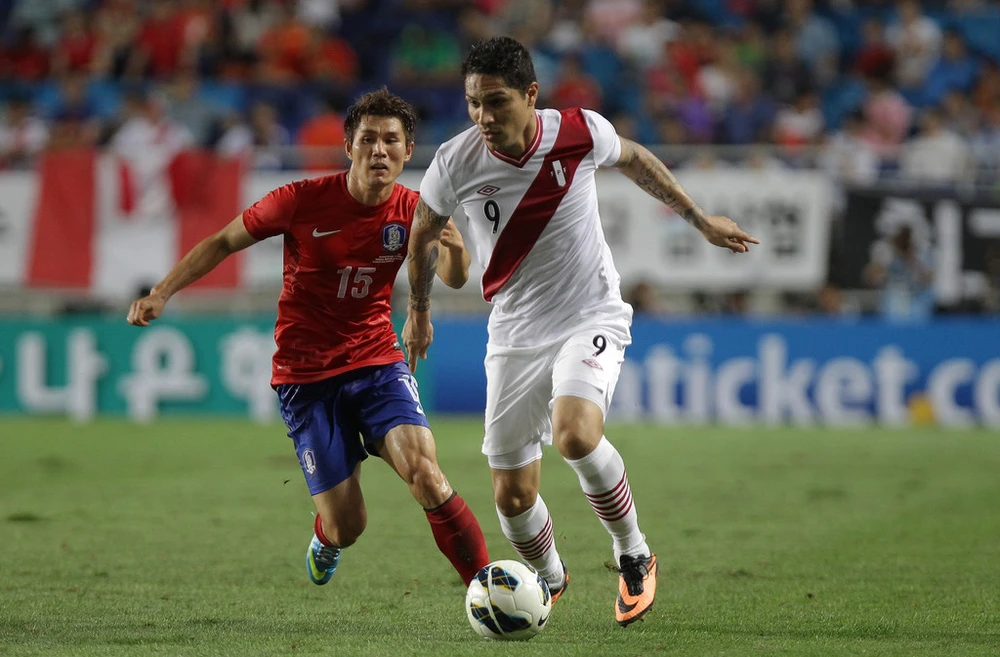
<point x="272" y="215"/>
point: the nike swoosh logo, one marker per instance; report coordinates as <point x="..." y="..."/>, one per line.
<point x="625" y="607"/>
<point x="317" y="233"/>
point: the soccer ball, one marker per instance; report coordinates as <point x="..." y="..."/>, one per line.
<point x="508" y="600"/>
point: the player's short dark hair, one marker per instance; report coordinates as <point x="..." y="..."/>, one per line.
<point x="503" y="57"/>
<point x="381" y="103"/>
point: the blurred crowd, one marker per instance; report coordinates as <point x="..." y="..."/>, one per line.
<point x="865" y="89"/>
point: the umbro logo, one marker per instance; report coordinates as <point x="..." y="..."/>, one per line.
<point x="488" y="190"/>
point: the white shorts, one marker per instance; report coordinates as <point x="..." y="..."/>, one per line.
<point x="522" y="383"/>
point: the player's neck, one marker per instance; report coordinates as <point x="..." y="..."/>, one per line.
<point x="520" y="147"/>
<point x="368" y="194"/>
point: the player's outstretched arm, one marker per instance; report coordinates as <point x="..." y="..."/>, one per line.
<point x="653" y="176"/>
<point x="200" y="260"/>
<point x="418" y="331"/>
<point x="453" y="258"/>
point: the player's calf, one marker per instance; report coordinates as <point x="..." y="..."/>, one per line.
<point x="459" y="536"/>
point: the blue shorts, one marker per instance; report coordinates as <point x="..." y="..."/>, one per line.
<point x="334" y="423"/>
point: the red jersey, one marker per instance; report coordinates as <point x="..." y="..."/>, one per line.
<point x="341" y="259"/>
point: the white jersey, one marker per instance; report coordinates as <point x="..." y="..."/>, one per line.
<point x="534" y="226"/>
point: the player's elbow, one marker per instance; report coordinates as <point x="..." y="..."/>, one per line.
<point x="225" y="242"/>
<point x="457" y="282"/>
<point x="226" y="247"/>
<point x="215" y="244"/>
<point x="454" y="279"/>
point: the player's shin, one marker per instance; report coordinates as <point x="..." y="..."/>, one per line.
<point x="604" y="480"/>
<point x="459" y="536"/>
<point x="531" y="535"/>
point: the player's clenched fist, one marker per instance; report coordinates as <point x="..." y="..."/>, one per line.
<point x="418" y="333"/>
<point x="146" y="309"/>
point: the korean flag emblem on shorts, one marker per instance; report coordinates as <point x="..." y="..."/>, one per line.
<point x="309" y="461"/>
<point x="393" y="237"/>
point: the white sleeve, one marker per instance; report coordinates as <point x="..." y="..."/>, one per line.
<point x="607" y="145"/>
<point x="437" y="190"/>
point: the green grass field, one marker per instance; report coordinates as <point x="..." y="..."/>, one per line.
<point x="188" y="538"/>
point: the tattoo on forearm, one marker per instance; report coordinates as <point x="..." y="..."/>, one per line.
<point x="650" y="174"/>
<point x="421" y="304"/>
<point x="695" y="217"/>
<point x="433" y="261"/>
<point x="651" y="181"/>
<point x="427" y="226"/>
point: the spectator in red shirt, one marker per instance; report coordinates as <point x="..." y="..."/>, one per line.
<point x="161" y="41"/>
<point x="25" y="59"/>
<point x="874" y="55"/>
<point x="576" y="88"/>
<point x="75" y="49"/>
<point x="322" y="140"/>
<point x="331" y="59"/>
<point x="285" y="47"/>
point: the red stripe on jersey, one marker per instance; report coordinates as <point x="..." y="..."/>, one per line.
<point x="573" y="143"/>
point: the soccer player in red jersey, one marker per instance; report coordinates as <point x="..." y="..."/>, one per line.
<point x="344" y="389"/>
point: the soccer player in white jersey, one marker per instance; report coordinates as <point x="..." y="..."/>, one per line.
<point x="558" y="328"/>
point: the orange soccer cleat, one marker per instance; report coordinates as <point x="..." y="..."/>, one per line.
<point x="636" y="588"/>
<point x="557" y="593"/>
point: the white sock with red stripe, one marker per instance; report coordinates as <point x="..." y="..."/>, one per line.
<point x="530" y="533"/>
<point x="603" y="478"/>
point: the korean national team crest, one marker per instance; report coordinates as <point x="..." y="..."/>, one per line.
<point x="393" y="237"/>
<point x="309" y="461"/>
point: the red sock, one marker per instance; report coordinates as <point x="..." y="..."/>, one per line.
<point x="459" y="536"/>
<point x="318" y="528"/>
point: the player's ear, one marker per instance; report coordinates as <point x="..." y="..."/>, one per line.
<point x="409" y="151"/>
<point x="532" y="94"/>
<point x="348" y="147"/>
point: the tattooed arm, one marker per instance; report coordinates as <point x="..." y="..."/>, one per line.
<point x="654" y="178"/>
<point x="418" y="331"/>
<point x="427" y="227"/>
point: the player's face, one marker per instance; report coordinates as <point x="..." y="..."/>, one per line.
<point x="505" y="116"/>
<point x="379" y="150"/>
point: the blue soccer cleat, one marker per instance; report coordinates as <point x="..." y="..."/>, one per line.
<point x="321" y="561"/>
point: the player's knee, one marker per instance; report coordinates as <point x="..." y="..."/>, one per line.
<point x="575" y="437"/>
<point x="514" y="500"/>
<point x="427" y="482"/>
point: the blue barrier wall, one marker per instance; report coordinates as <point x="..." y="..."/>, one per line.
<point x="724" y="370"/>
<point x="808" y="371"/>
